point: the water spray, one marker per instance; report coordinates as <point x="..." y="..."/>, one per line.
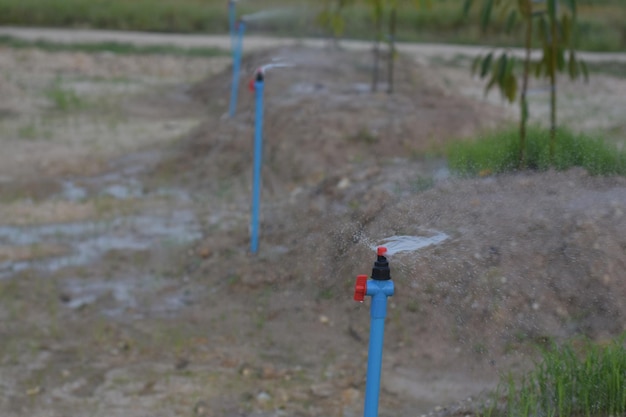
<point x="240" y="28"/>
<point x="379" y="287"/>
<point x="270" y="14"/>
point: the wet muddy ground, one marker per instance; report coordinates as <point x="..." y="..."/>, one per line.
<point x="127" y="289"/>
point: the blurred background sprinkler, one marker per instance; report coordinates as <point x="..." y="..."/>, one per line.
<point x="237" y="30"/>
<point x="379" y="287"/>
<point x="257" y="85"/>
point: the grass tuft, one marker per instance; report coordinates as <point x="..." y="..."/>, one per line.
<point x="571" y="380"/>
<point x="63" y="99"/>
<point x="498" y="153"/>
<point x="120" y="48"/>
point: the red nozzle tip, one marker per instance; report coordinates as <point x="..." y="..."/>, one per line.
<point x="360" y="288"/>
<point x="381" y="251"/>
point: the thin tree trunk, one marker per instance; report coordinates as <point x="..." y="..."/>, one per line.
<point x="523" y="96"/>
<point x="378" y="24"/>
<point x="553" y="69"/>
<point x="392" y="50"/>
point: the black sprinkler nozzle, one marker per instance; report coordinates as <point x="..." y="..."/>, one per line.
<point x="381" y="270"/>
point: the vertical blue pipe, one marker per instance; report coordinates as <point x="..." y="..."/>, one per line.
<point x="258" y="155"/>
<point x="379" y="290"/>
<point x="236" y="65"/>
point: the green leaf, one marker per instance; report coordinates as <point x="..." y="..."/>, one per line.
<point x="486" y="14"/>
<point x="486" y="64"/>
<point x="338" y="24"/>
<point x="538" y="68"/>
<point x="525" y="8"/>
<point x="551" y="9"/>
<point x="560" y="59"/>
<point x="566" y="28"/>
<point x="510" y="21"/>
<point x="510" y="87"/>
<point x="475" y="64"/>
<point x="542" y="26"/>
<point x="467" y="5"/>
<point x="585" y="69"/>
<point x="571" y="5"/>
<point x="423" y="4"/>
<point x="572" y="65"/>
<point x="490" y="84"/>
<point x="502" y="66"/>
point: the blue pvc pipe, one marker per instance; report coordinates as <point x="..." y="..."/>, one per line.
<point x="379" y="291"/>
<point x="236" y="65"/>
<point x="258" y="156"/>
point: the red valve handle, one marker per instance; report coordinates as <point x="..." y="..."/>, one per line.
<point x="360" y="288"/>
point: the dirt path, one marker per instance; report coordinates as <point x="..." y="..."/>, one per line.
<point x="256" y="42"/>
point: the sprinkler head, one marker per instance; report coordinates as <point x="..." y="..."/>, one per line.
<point x="259" y="76"/>
<point x="381" y="271"/>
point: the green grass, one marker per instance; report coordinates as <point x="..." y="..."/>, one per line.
<point x="62" y="98"/>
<point x="601" y="21"/>
<point x="571" y="380"/>
<point x="119" y="48"/>
<point x="498" y="152"/>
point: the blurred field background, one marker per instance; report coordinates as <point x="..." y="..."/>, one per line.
<point x="602" y="22"/>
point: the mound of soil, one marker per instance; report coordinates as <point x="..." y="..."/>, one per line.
<point x="321" y="115"/>
<point x="529" y="258"/>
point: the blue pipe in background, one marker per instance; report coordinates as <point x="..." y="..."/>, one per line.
<point x="258" y="157"/>
<point x="379" y="288"/>
<point x="241" y="28"/>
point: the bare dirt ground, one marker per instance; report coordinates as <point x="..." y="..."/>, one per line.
<point x="127" y="289"/>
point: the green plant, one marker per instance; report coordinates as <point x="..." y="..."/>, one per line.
<point x="28" y="131"/>
<point x="332" y="17"/>
<point x="497" y="153"/>
<point x="571" y="380"/>
<point x="64" y="99"/>
<point x="422" y="184"/>
<point x="556" y="34"/>
<point x="364" y="135"/>
<point x="377" y="10"/>
<point x="502" y="71"/>
<point x="120" y="48"/>
<point x="394" y="5"/>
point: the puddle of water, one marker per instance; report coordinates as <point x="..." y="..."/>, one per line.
<point x="397" y="244"/>
<point x="361" y="88"/>
<point x="307" y="88"/>
<point x="89" y="241"/>
<point x="83" y="294"/>
<point x="124" y="191"/>
<point x="72" y="192"/>
<point x="130" y="188"/>
<point x="127" y="296"/>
